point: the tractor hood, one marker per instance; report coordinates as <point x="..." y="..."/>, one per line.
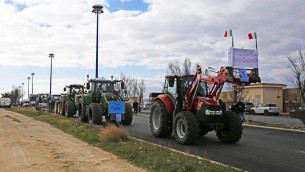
<point x="199" y="101"/>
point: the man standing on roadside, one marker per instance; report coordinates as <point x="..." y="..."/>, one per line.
<point x="240" y="110"/>
<point x="135" y="106"/>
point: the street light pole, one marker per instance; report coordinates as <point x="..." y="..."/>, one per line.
<point x="29" y="88"/>
<point x="97" y="9"/>
<point x="22" y="92"/>
<point x="51" y="55"/>
<point x="32" y="81"/>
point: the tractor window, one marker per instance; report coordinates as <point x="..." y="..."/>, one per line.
<point x="104" y="87"/>
<point x="202" y="89"/>
<point x="171" y="90"/>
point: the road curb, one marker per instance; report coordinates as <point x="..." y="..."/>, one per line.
<point x="274" y="128"/>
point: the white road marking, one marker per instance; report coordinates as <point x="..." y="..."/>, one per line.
<point x="301" y="151"/>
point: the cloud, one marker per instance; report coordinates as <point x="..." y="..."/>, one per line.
<point x="165" y="32"/>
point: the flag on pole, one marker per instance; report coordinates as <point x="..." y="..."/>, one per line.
<point x="252" y="35"/>
<point x="228" y="33"/>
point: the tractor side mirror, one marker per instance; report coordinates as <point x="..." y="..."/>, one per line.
<point x="88" y="85"/>
<point x="65" y="89"/>
<point x="171" y="82"/>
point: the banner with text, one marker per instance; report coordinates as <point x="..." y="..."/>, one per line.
<point x="243" y="58"/>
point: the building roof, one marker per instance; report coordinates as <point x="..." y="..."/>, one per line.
<point x="261" y="85"/>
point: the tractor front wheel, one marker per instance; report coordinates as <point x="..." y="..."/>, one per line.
<point x="69" y="109"/>
<point x="186" y="128"/>
<point x="128" y="115"/>
<point x="232" y="131"/>
<point x="160" y="120"/>
<point x="82" y="116"/>
<point x="94" y="113"/>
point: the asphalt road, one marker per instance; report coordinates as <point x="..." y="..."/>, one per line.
<point x="258" y="150"/>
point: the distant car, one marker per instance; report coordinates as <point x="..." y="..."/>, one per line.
<point x="265" y="109"/>
<point x="248" y="107"/>
<point x="146" y="106"/>
<point x="296" y="112"/>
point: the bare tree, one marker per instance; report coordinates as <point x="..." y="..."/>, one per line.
<point x="128" y="83"/>
<point x="187" y="67"/>
<point x="134" y="88"/>
<point x="176" y="68"/>
<point x="236" y="93"/>
<point x="297" y="66"/>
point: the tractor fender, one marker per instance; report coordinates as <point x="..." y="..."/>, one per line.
<point x="167" y="102"/>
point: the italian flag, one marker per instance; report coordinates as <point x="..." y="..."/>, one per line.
<point x="228" y="33"/>
<point x="252" y="35"/>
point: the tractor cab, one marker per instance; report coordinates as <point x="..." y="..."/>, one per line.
<point x="73" y="89"/>
<point x="101" y="88"/>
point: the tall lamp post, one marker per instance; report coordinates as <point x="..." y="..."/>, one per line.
<point x="29" y="88"/>
<point x="97" y="9"/>
<point x="22" y="91"/>
<point x="51" y="55"/>
<point x="32" y="81"/>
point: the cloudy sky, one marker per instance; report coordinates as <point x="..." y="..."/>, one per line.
<point x="140" y="38"/>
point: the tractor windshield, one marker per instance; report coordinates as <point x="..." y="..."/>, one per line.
<point x="76" y="89"/>
<point x="104" y="87"/>
<point x="202" y="89"/>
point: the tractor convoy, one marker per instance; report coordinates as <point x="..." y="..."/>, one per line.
<point x="103" y="98"/>
<point x="188" y="106"/>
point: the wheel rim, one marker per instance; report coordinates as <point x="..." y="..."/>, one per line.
<point x="180" y="128"/>
<point x="156" y="119"/>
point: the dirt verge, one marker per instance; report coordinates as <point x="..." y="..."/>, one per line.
<point x="30" y="145"/>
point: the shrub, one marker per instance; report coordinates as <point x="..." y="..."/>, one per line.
<point x="114" y="133"/>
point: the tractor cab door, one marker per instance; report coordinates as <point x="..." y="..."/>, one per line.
<point x="170" y="88"/>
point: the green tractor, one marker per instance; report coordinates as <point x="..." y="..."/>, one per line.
<point x="69" y="101"/>
<point x="41" y="101"/>
<point x="104" y="98"/>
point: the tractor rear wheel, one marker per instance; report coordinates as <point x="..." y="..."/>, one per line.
<point x="232" y="131"/>
<point x="94" y="113"/>
<point x="128" y="115"/>
<point x="186" y="128"/>
<point x="69" y="109"/>
<point x="82" y="116"/>
<point x="160" y="120"/>
<point x="56" y="107"/>
<point x="62" y="108"/>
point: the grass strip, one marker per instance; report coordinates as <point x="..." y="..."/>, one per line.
<point x="276" y="125"/>
<point x="141" y="154"/>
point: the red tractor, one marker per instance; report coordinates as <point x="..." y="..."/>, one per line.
<point x="188" y="106"/>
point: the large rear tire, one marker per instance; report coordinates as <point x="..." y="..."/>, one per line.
<point x="69" y="109"/>
<point x="128" y="116"/>
<point x="233" y="128"/>
<point x="160" y="120"/>
<point x="82" y="116"/>
<point x="55" y="110"/>
<point x="94" y="114"/>
<point x="62" y="108"/>
<point x="186" y="128"/>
